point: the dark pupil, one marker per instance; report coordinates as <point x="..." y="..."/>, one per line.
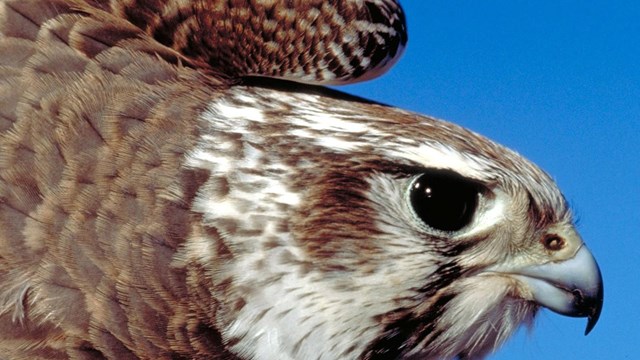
<point x="444" y="200"/>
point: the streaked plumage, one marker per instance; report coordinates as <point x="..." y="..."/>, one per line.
<point x="156" y="204"/>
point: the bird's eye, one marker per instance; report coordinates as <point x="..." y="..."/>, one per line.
<point x="444" y="200"/>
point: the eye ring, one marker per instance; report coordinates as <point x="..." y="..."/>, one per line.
<point x="444" y="200"/>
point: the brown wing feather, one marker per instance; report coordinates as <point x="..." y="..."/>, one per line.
<point x="95" y="117"/>
<point x="312" y="41"/>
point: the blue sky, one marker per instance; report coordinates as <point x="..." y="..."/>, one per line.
<point x="559" y="82"/>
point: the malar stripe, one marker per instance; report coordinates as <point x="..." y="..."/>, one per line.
<point x="444" y="276"/>
<point x="404" y="334"/>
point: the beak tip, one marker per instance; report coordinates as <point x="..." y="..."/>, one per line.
<point x="594" y="316"/>
<point x="590" y="325"/>
<point x="597" y="309"/>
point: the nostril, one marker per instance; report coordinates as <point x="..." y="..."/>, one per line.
<point x="553" y="242"/>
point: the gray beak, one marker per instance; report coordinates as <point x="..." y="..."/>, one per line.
<point x="571" y="287"/>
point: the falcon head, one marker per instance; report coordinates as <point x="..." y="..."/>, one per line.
<point x="354" y="230"/>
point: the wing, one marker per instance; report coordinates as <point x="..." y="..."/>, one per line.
<point x="95" y="118"/>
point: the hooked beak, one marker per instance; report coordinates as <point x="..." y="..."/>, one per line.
<point x="572" y="287"/>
